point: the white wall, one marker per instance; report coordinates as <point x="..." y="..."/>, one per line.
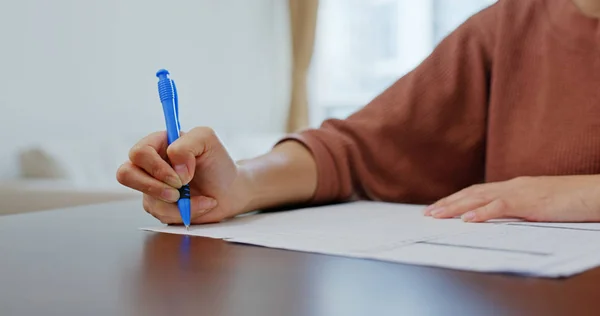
<point x="73" y="67"/>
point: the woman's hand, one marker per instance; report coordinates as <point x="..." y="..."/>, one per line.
<point x="218" y="187"/>
<point x="542" y="199"/>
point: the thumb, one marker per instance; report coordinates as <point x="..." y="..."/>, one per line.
<point x="183" y="152"/>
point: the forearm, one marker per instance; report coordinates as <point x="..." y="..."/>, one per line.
<point x="286" y="175"/>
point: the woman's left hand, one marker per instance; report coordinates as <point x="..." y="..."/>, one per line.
<point x="538" y="199"/>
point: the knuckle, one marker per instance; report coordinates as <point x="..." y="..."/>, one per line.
<point x="150" y="206"/>
<point x="206" y="133"/>
<point x="158" y="134"/>
<point x="193" y="141"/>
<point x="501" y="205"/>
<point x="521" y="180"/>
<point x="481" y="195"/>
<point x="156" y="171"/>
<point x="123" y="173"/>
<point x="138" y="152"/>
<point x="476" y="189"/>
<point x="147" y="204"/>
<point x="483" y="198"/>
<point x="164" y="220"/>
<point x="173" y="149"/>
<point x="152" y="191"/>
<point x="441" y="202"/>
<point x="450" y="208"/>
<point x="203" y="131"/>
<point x="161" y="212"/>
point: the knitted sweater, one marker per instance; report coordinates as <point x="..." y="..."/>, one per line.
<point x="514" y="91"/>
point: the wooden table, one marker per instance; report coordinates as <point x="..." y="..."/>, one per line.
<point x="95" y="261"/>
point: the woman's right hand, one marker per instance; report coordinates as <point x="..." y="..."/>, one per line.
<point x="219" y="189"/>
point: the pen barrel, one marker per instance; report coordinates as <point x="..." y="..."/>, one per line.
<point x="166" y="90"/>
<point x="170" y="120"/>
<point x="168" y="98"/>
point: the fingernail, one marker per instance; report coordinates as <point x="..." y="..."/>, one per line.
<point x="207" y="203"/>
<point x="468" y="216"/>
<point x="437" y="212"/>
<point x="182" y="172"/>
<point x="170" y="195"/>
<point x="173" y="181"/>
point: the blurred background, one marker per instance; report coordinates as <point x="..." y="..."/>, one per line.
<point x="79" y="89"/>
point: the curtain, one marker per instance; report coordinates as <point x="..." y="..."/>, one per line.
<point x="303" y="21"/>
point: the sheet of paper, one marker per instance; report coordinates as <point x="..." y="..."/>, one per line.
<point x="361" y="227"/>
<point x="400" y="233"/>
<point x="578" y="226"/>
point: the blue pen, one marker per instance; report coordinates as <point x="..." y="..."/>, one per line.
<point x="170" y="103"/>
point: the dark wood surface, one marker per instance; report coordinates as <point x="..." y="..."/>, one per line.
<point x="95" y="261"/>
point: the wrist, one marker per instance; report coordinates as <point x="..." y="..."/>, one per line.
<point x="246" y="187"/>
<point x="286" y="175"/>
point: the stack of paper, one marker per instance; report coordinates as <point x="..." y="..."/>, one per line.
<point x="400" y="233"/>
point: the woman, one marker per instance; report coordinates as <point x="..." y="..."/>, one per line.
<point x="501" y="120"/>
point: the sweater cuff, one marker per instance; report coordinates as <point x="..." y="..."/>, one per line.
<point x="326" y="190"/>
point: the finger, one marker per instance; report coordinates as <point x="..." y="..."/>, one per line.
<point x="183" y="152"/>
<point x="146" y="154"/>
<point x="459" y="207"/>
<point x="444" y="202"/>
<point x="156" y="140"/>
<point x="474" y="189"/>
<point x="132" y="176"/>
<point x="493" y="210"/>
<point x="168" y="213"/>
<point x="152" y="205"/>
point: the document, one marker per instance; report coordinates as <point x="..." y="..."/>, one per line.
<point x="400" y="233"/>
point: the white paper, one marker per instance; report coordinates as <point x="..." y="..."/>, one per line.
<point x="400" y="233"/>
<point x="578" y="226"/>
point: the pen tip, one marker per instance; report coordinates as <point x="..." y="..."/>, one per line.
<point x="187" y="227"/>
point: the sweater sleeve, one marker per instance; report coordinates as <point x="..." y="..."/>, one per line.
<point x="423" y="137"/>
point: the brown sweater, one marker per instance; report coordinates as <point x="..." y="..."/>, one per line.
<point x="514" y="91"/>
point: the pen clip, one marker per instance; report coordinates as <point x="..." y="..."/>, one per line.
<point x="176" y="99"/>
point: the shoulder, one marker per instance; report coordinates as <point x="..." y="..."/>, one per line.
<point x="506" y="20"/>
<point x="520" y="12"/>
<point x="514" y="14"/>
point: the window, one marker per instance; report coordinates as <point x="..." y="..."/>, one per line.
<point x="363" y="46"/>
